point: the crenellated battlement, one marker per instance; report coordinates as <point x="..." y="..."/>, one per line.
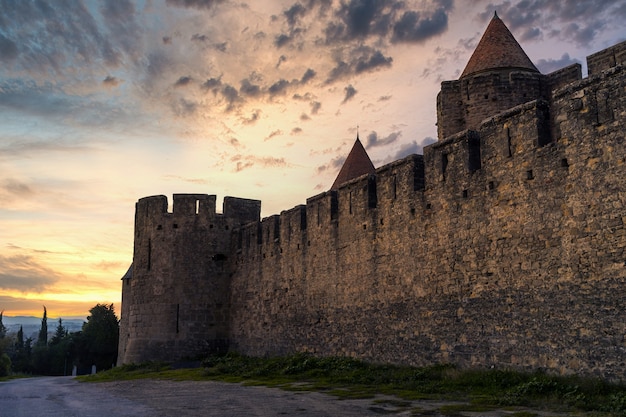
<point x="202" y="206"/>
<point x="503" y="245"/>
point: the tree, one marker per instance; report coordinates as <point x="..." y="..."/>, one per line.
<point x="99" y="338"/>
<point x="59" y="334"/>
<point x="21" y="355"/>
<point x="3" y="329"/>
<point x="43" y="332"/>
<point x="41" y="356"/>
<point x="60" y="351"/>
<point x="5" y="362"/>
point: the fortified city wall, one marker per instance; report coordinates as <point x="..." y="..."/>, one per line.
<point x="503" y="245"/>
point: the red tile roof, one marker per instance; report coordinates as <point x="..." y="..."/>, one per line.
<point x="497" y="49"/>
<point x="357" y="163"/>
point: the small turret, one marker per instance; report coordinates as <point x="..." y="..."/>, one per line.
<point x="356" y="164"/>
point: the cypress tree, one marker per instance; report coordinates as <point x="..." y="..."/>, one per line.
<point x="3" y="329"/>
<point x="43" y="332"/>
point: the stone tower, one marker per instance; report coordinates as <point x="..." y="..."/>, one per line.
<point x="175" y="297"/>
<point x="498" y="76"/>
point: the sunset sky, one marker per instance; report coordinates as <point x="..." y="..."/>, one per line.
<point x="105" y="102"/>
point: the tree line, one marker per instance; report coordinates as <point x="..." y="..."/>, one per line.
<point x="95" y="344"/>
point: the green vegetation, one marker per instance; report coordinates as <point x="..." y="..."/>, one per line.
<point x="96" y="345"/>
<point x="481" y="390"/>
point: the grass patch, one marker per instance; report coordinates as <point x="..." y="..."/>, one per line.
<point x="157" y="370"/>
<point x="350" y="378"/>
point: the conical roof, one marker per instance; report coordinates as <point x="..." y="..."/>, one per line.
<point x="129" y="273"/>
<point x="497" y="49"/>
<point x="357" y="163"/>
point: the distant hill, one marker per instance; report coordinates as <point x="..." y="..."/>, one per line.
<point x="31" y="325"/>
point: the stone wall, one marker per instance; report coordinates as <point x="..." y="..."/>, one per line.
<point x="502" y="246"/>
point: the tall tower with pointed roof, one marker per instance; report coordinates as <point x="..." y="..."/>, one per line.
<point x="499" y="75"/>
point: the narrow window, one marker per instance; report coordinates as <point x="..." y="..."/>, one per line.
<point x="177" y="316"/>
<point x="197" y="206"/>
<point x="334" y="205"/>
<point x="444" y="164"/>
<point x="395" y="186"/>
<point x="149" y="254"/>
<point x="473" y="144"/>
<point x="350" y="201"/>
<point x="302" y="219"/>
<point x="372" y="198"/>
<point x="509" y="148"/>
<point x="319" y="221"/>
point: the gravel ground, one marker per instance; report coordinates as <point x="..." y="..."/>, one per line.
<point x="208" y="398"/>
<point x="66" y="397"/>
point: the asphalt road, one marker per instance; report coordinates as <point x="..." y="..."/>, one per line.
<point x="64" y="396"/>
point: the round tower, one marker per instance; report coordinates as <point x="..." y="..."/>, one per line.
<point x="175" y="301"/>
<point x="498" y="76"/>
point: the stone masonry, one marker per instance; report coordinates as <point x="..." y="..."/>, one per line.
<point x="503" y="245"/>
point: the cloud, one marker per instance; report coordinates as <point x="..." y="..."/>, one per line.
<point x="196" y="37"/>
<point x="51" y="41"/>
<point x="373" y="140"/>
<point x="308" y="75"/>
<point x="183" y="81"/>
<point x="273" y="134"/>
<point x="248" y="161"/>
<point x="333" y="165"/>
<point x="282" y="40"/>
<point x="23" y="148"/>
<point x="315" y="107"/>
<point x="294" y="13"/>
<point x="350" y="93"/>
<point x="413" y="27"/>
<point x="8" y="49"/>
<point x="393" y="20"/>
<point x="361" y="59"/>
<point x="231" y="95"/>
<point x="111" y="81"/>
<point x="410" y="148"/>
<point x="196" y="4"/>
<point x="546" y="66"/>
<point x="15" y="188"/>
<point x="184" y="107"/>
<point x="249" y="89"/>
<point x="281" y="59"/>
<point x="212" y="84"/>
<point x="254" y="117"/>
<point x="577" y="21"/>
<point x="24" y="273"/>
<point x="279" y="87"/>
